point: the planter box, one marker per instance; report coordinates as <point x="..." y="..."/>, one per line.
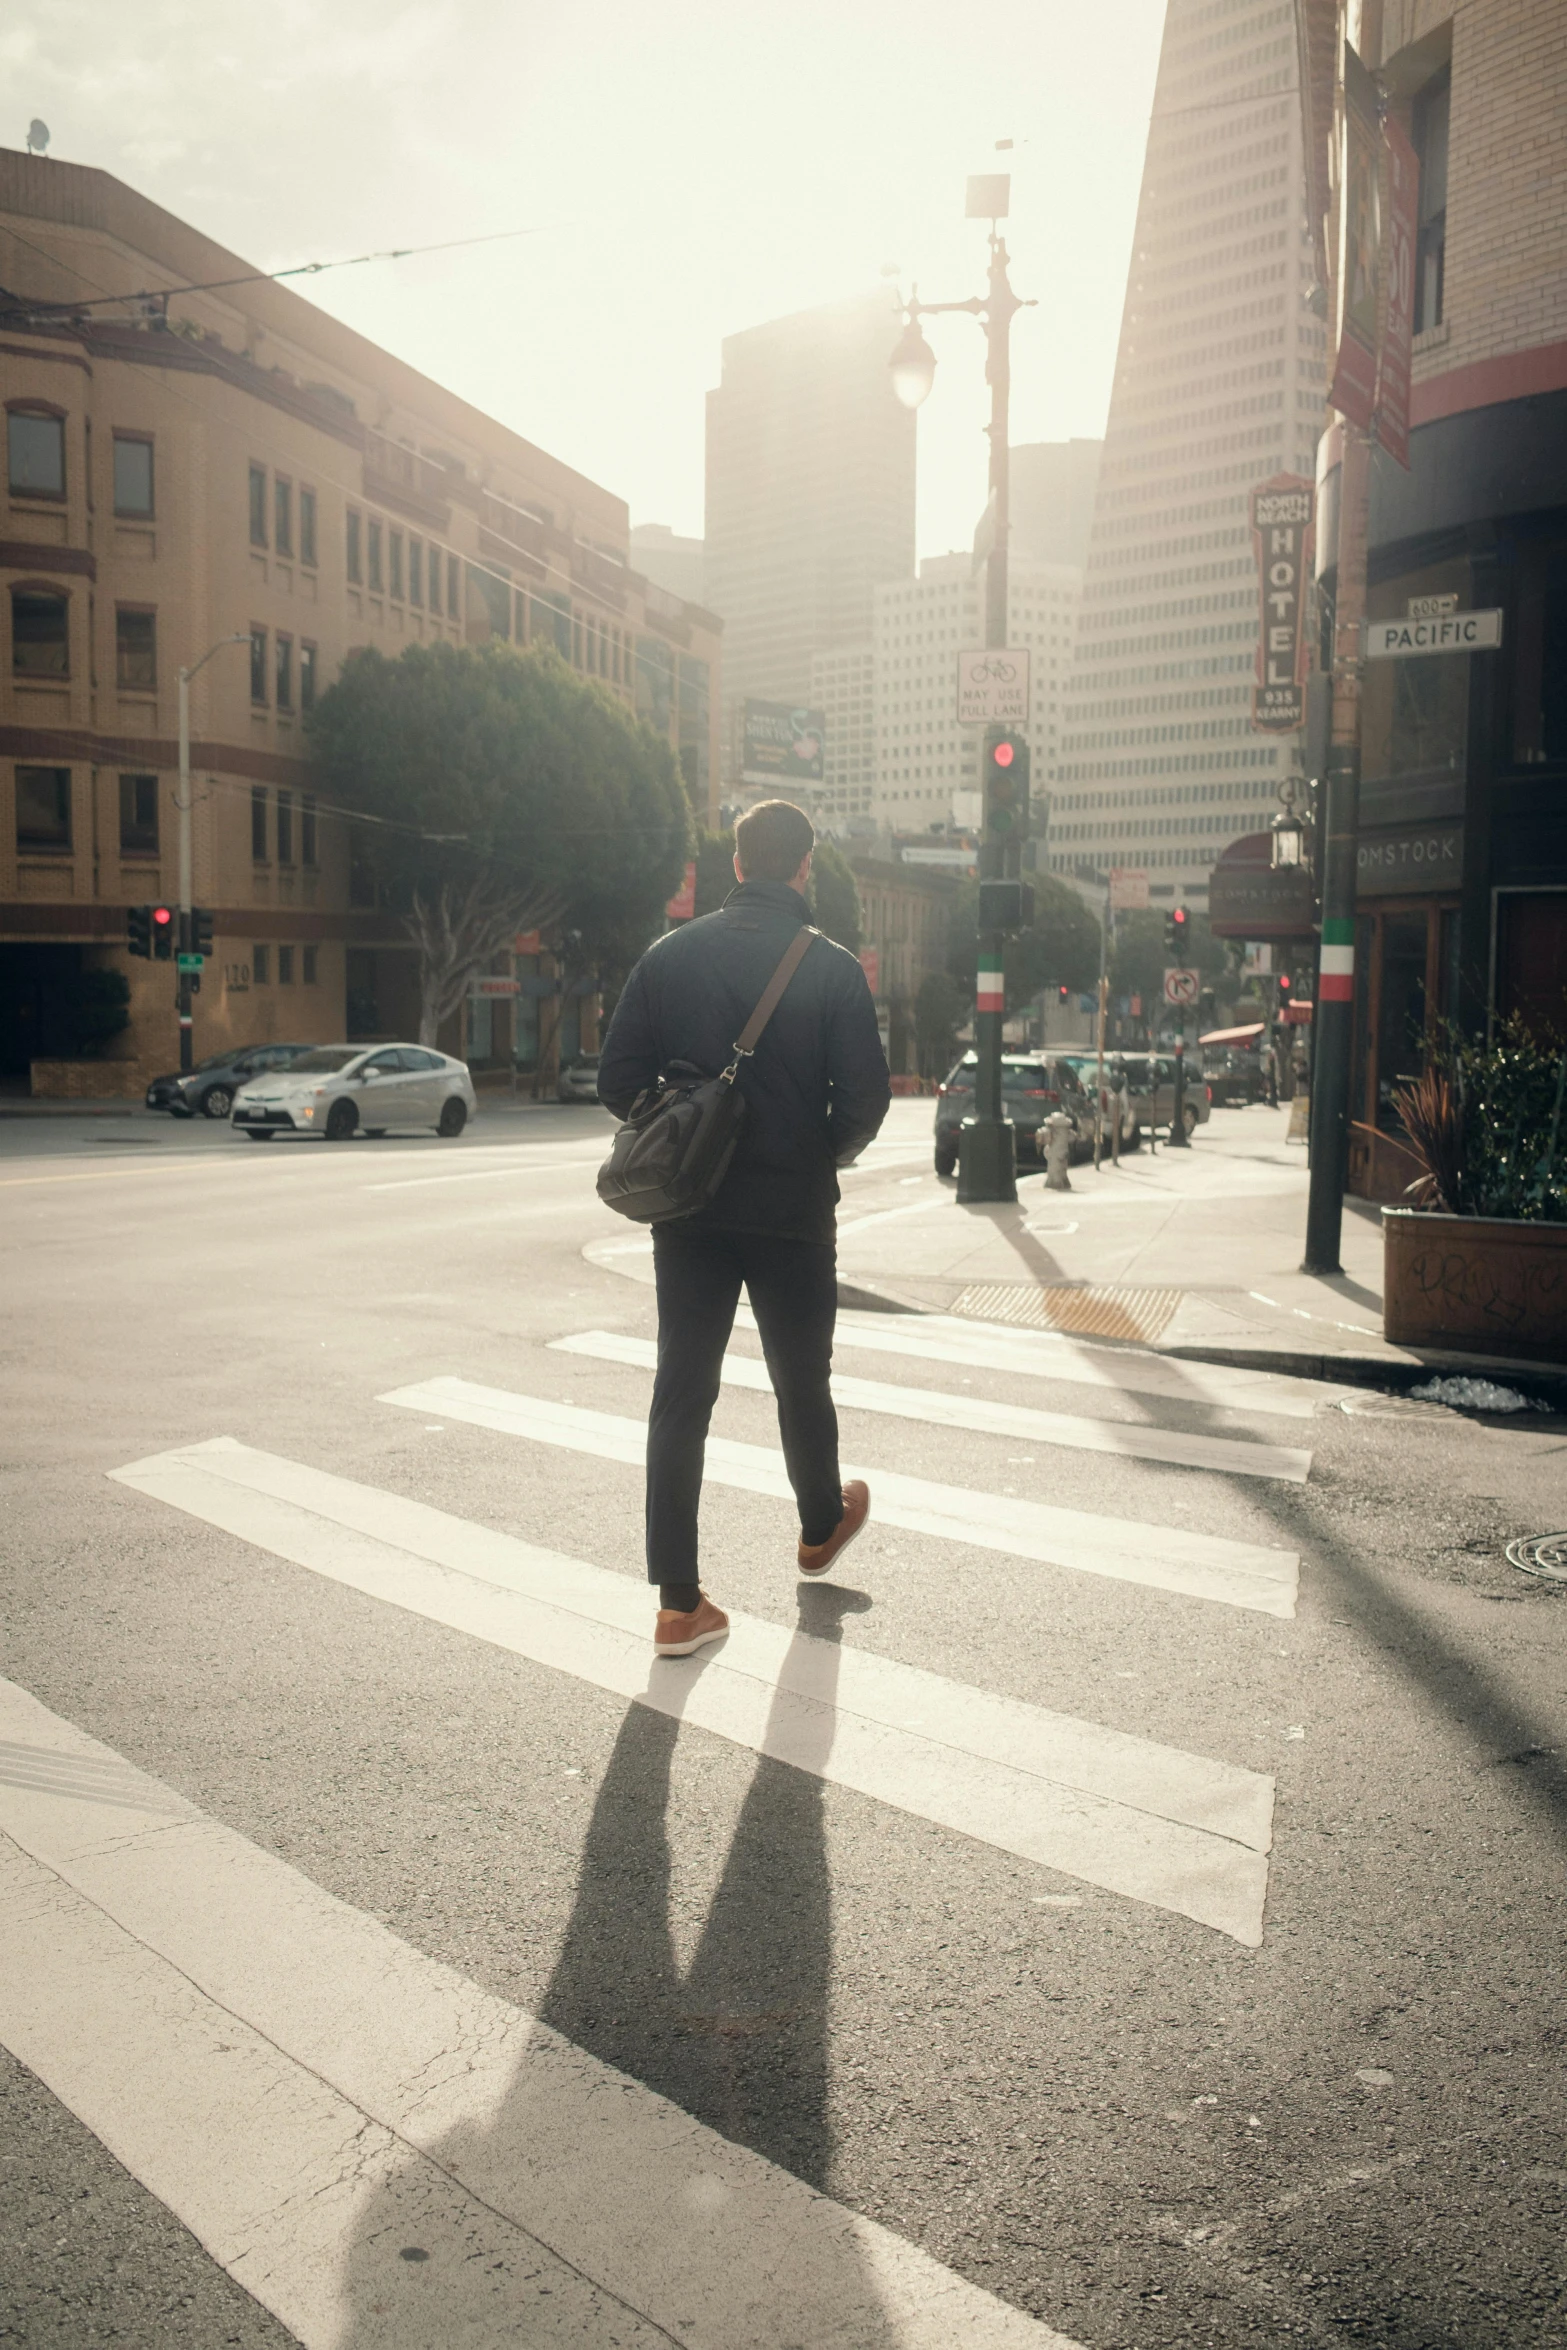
<point x="1479" y="1284"/>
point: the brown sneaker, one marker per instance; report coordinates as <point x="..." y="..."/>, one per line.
<point x="679" y="1635"/>
<point x="817" y="1557"/>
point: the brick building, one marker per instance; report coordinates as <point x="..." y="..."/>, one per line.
<point x="205" y="464"/>
<point x="1463" y="799"/>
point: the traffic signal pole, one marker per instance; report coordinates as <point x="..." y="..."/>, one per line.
<point x="987" y="1163"/>
<point x="186" y="940"/>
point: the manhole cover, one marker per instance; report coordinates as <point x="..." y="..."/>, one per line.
<point x="1140" y="1314"/>
<point x="1544" y="1555"/>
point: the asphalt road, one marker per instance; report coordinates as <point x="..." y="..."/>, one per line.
<point x="1139" y="2127"/>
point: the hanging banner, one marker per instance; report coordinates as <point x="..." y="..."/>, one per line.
<point x="1400" y="225"/>
<point x="1353" y="389"/>
<point x="1282" y="515"/>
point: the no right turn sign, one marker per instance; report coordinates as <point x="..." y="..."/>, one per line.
<point x="1181" y="987"/>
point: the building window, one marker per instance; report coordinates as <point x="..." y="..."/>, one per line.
<point x="284" y="672"/>
<point x="307" y="527"/>
<point x="138" y="815"/>
<point x="285" y="966"/>
<point x="258" y="505"/>
<point x="135" y="650"/>
<point x="435" y="579"/>
<point x="1432" y="110"/>
<point x="258" y="665"/>
<point x="40" y="633"/>
<point x="308" y="958"/>
<point x="283" y="515"/>
<point x="132" y="476"/>
<point x="35" y="449"/>
<point x="396" y="550"/>
<point x="260" y="965"/>
<point x="258" y="822"/>
<point x="453" y="588"/>
<point x="43" y="808"/>
<point x="307" y="677"/>
<point x="307" y="829"/>
<point x="374" y="535"/>
<point x="285" y="828"/>
<point x="416" y="571"/>
<point x="353" y="545"/>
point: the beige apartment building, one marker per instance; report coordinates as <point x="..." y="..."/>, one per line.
<point x="200" y="465"/>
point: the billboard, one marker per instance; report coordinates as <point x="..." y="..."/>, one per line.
<point x="1282" y="514"/>
<point x="782" y="745"/>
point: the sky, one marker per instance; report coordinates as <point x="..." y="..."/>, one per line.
<point x="687" y="170"/>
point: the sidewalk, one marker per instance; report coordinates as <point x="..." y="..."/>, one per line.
<point x="1196" y="1253"/>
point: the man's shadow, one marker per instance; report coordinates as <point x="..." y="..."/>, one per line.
<point x="739" y="2040"/>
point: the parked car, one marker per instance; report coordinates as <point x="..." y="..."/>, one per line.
<point x="1151" y="1085"/>
<point x="1033" y="1086"/>
<point x="1236" y="1078"/>
<point x="339" y="1089"/>
<point x="211" y="1086"/>
<point x="579" y="1079"/>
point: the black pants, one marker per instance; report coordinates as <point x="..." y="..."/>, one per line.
<point x="793" y="1287"/>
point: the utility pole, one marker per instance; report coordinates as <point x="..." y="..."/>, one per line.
<point x="186" y="941"/>
<point x="1333" y="1018"/>
<point x="986" y="1161"/>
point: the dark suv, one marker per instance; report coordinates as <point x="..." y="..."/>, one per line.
<point x="212" y="1084"/>
<point x="1033" y="1087"/>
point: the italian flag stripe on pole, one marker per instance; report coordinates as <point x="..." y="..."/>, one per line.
<point x="991" y="994"/>
<point x="1337" y="973"/>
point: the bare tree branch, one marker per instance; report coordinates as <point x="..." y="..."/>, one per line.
<point x="460" y="929"/>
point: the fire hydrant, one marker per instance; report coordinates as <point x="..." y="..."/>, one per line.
<point x="1058" y="1130"/>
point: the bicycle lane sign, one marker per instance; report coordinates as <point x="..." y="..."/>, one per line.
<point x="993" y="686"/>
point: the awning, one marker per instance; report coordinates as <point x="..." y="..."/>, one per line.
<point x="1232" y="1035"/>
<point x="1296" y="1015"/>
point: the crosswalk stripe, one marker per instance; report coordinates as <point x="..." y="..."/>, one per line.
<point x="993" y="1346"/>
<point x="1177" y="1830"/>
<point x="1130" y="1439"/>
<point x="1165" y="1558"/>
<point x="311" y="2096"/>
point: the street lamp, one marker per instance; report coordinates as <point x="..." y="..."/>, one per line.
<point x="1287" y="832"/>
<point x="986" y="1160"/>
<point x="182" y="803"/>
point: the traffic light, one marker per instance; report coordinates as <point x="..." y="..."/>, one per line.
<point x="1005" y="905"/>
<point x="1006" y="786"/>
<point x="138" y="930"/>
<point x="1284" y="989"/>
<point x="1063" y="992"/>
<point x="164" y="924"/>
<point x="1176" y="927"/>
<point x="201" y="930"/>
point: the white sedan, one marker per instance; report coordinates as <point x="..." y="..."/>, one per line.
<point x="341" y="1089"/>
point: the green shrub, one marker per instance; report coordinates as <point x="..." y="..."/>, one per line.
<point x="1489" y="1123"/>
<point x="98" y="1008"/>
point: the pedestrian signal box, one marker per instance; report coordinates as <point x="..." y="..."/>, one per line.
<point x="1005" y="905"/>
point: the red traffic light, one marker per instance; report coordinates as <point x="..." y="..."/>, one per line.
<point x="1063" y="992"/>
<point x="162" y="916"/>
<point x="1179" y="917"/>
<point x="1003" y="754"/>
<point x="1284" y="983"/>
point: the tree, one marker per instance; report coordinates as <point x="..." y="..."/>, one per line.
<point x="1060" y="945"/>
<point x="505" y="793"/>
<point x="835" y="898"/>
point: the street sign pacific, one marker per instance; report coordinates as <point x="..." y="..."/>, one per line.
<point x="1446" y="632"/>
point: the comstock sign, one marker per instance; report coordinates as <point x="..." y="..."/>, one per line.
<point x="1282" y="512"/>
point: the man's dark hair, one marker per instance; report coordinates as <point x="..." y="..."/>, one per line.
<point x="773" y="840"/>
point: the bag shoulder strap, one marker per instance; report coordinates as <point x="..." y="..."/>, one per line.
<point x="793" y="956"/>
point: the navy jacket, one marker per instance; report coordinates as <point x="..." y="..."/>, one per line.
<point x="816" y="1089"/>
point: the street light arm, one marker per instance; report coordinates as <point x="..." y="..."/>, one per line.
<point x="240" y="637"/>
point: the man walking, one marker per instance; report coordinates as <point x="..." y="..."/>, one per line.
<point x="816" y="1090"/>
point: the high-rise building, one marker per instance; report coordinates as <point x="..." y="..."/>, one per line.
<point x="670" y="561"/>
<point x="1051" y="500"/>
<point x="1218" y="385"/>
<point x="843" y="688"/>
<point x="810" y="492"/>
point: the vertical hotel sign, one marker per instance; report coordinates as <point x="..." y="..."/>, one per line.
<point x="1281" y="530"/>
<point x="1353" y="390"/>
